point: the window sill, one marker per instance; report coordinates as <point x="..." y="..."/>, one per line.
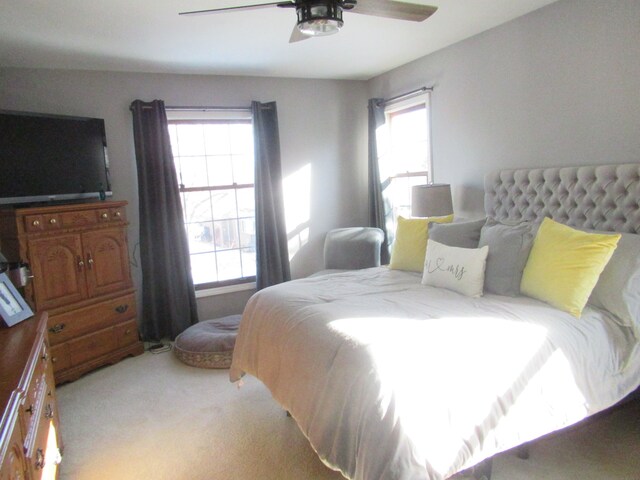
<point x="211" y="292"/>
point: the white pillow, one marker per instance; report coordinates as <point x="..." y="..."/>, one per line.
<point x="455" y="268"/>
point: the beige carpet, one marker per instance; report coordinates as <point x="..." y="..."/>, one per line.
<point x="152" y="417"/>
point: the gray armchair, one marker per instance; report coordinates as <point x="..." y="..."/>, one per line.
<point x="352" y="248"/>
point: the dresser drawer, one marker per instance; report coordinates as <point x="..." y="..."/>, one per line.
<point x="72" y="324"/>
<point x="42" y="223"/>
<point x="80" y="218"/>
<point x="127" y="333"/>
<point x="60" y="357"/>
<point x="38" y="407"/>
<point x="112" y="215"/>
<point x="91" y="346"/>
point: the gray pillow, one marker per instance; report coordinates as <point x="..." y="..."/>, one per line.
<point x="618" y="288"/>
<point x="460" y="234"/>
<point x="509" y="247"/>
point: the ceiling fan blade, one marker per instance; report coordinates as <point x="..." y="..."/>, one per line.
<point x="398" y="10"/>
<point x="297" y="35"/>
<point x="230" y="9"/>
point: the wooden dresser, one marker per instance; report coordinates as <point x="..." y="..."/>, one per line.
<point x="79" y="259"/>
<point x="30" y="442"/>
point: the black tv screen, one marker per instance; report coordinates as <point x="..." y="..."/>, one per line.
<point x="50" y="158"/>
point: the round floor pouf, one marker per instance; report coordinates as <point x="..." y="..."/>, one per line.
<point x="208" y="344"/>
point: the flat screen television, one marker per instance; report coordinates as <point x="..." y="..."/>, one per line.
<point x="52" y="158"/>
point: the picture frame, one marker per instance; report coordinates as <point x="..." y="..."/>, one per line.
<point x="13" y="308"/>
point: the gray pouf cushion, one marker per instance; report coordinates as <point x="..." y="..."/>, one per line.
<point x="208" y="344"/>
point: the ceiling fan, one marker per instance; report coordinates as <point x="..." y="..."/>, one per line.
<point x="324" y="17"/>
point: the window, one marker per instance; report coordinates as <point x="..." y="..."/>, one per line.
<point x="213" y="154"/>
<point x="404" y="147"/>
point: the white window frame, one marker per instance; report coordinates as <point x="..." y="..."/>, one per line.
<point x="422" y="100"/>
<point x="240" y="114"/>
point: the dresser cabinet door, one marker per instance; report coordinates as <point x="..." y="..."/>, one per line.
<point x="14" y="465"/>
<point x="107" y="260"/>
<point x="58" y="268"/>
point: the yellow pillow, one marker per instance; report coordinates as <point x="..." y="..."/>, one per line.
<point x="564" y="265"/>
<point x="410" y="244"/>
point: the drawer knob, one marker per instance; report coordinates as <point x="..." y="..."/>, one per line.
<point x="57" y="328"/>
<point x="48" y="411"/>
<point x="36" y="223"/>
<point x="122" y="308"/>
<point x="53" y="221"/>
<point x="117" y="214"/>
<point x="105" y="215"/>
<point x="45" y="357"/>
<point x="127" y="331"/>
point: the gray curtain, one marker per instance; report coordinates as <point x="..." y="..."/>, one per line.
<point x="377" y="209"/>
<point x="272" y="253"/>
<point x="168" y="296"/>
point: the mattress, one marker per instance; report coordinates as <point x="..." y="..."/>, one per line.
<point x="389" y="378"/>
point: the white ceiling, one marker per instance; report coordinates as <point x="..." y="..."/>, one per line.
<point x="149" y="36"/>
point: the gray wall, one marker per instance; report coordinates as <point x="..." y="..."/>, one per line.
<point x="322" y="127"/>
<point x="559" y="86"/>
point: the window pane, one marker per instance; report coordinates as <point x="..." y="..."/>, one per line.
<point x="248" y="262"/>
<point x="241" y="138"/>
<point x="224" y="204"/>
<point x="220" y="171"/>
<point x="229" y="265"/>
<point x="197" y="206"/>
<point x="193" y="171"/>
<point x="200" y="236"/>
<point x="246" y="202"/>
<point x="247" y="233"/>
<point x="217" y="139"/>
<point x="226" y="234"/>
<point x="190" y="139"/>
<point x="203" y="268"/>
<point x="243" y="169"/>
<point x="409" y="137"/>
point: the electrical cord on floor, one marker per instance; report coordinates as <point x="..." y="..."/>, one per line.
<point x="159" y="347"/>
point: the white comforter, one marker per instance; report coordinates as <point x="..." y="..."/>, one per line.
<point x="391" y="379"/>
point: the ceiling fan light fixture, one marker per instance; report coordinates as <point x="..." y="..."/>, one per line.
<point x="319" y="18"/>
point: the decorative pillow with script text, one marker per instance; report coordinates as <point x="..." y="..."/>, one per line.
<point x="455" y="268"/>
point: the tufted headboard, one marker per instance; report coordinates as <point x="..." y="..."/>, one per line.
<point x="604" y="197"/>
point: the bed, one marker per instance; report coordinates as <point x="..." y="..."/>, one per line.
<point x="391" y="378"/>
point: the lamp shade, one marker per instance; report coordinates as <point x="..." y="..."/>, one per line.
<point x="432" y="200"/>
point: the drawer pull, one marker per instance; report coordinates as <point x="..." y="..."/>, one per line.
<point x="117" y="214"/>
<point x="53" y="221"/>
<point x="36" y="223"/>
<point x="29" y="410"/>
<point x="105" y="215"/>
<point x="44" y="357"/>
<point x="127" y="331"/>
<point x="39" y="459"/>
<point x="57" y="328"/>
<point x="48" y="411"/>
<point x="122" y="308"/>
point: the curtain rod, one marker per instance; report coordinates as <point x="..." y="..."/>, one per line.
<point x="402" y="96"/>
<point x="208" y="109"/>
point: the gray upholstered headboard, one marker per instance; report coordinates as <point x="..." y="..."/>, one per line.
<point x="604" y="197"/>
